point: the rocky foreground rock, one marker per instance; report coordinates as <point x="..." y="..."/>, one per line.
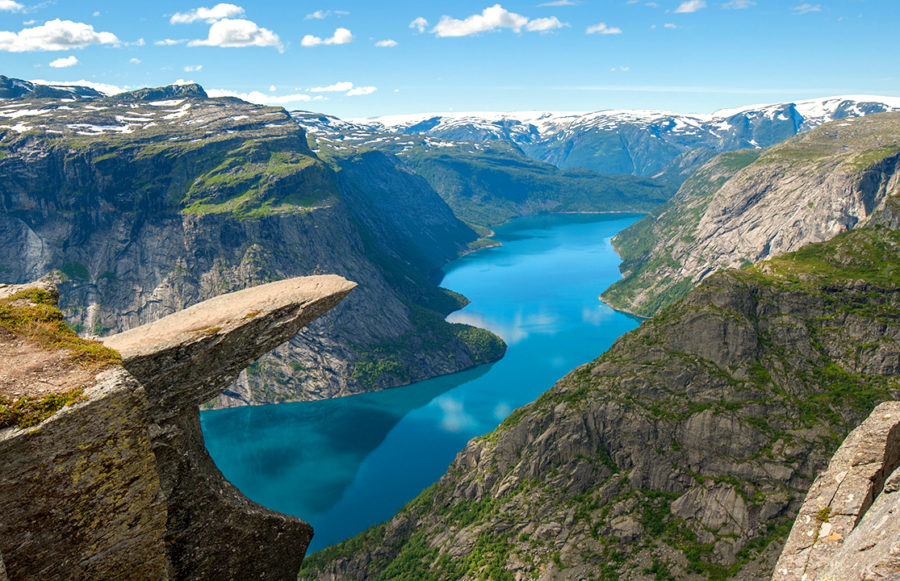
<point x="119" y="484"/>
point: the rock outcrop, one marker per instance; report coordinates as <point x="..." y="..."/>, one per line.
<point x="848" y="527"/>
<point x="751" y="205"/>
<point x="119" y="484"/>
<point x="686" y="449"/>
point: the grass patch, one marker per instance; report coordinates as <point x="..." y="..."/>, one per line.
<point x="32" y="314"/>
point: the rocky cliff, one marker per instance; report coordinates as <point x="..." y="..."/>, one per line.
<point x="106" y="476"/>
<point x="847" y="527"/>
<point x="685" y="451"/>
<point x="750" y="205"/>
<point x="154" y="200"/>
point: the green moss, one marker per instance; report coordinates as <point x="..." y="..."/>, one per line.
<point x="30" y="411"/>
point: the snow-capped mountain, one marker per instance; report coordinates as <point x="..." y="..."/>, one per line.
<point x="644" y="143"/>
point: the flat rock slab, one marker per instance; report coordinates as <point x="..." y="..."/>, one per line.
<point x="190" y="356"/>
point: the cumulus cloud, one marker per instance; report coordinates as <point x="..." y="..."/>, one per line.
<point x="134" y="61"/>
<point x="356" y="91"/>
<point x="544" y="24"/>
<point x="690" y="6"/>
<point x="54" y="35"/>
<point x="263" y="98"/>
<point x="388" y="43"/>
<point x="806" y="8"/>
<point x="170" y="41"/>
<point x="738" y="4"/>
<point x="193" y="68"/>
<point x="10" y="6"/>
<point x="335" y="88"/>
<point x="670" y="25"/>
<point x="602" y="28"/>
<point x="419" y="24"/>
<point x="340" y="36"/>
<point x="492" y="18"/>
<point x="238" y="32"/>
<point x="208" y="15"/>
<point x="62" y="63"/>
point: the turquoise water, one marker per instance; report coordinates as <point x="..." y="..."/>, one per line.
<point x="345" y="464"/>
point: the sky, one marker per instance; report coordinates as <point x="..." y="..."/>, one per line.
<point x="359" y="58"/>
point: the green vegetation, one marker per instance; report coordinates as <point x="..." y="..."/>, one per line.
<point x="30" y="411"/>
<point x="75" y="270"/>
<point x="32" y="314"/>
<point x="430" y="334"/>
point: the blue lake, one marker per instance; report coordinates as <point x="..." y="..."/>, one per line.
<point x="345" y="464"/>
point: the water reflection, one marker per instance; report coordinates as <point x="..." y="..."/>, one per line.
<point x="260" y="448"/>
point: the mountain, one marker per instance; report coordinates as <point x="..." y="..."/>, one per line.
<point x="659" y="144"/>
<point x="750" y="205"/>
<point x="490" y="182"/>
<point x="19" y="89"/>
<point x="150" y="201"/>
<point x="683" y="452"/>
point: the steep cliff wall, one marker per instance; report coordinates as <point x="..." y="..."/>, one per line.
<point x="155" y="200"/>
<point x="685" y="450"/>
<point x="748" y="205"/>
<point x="847" y="527"/>
<point x="118" y="484"/>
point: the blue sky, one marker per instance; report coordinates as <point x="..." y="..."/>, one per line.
<point x="360" y="58"/>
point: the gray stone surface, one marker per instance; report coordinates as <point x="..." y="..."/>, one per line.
<point x="837" y="535"/>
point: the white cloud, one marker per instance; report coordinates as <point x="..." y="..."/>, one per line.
<point x="669" y="25"/>
<point x="102" y="87"/>
<point x="558" y="3"/>
<point x="340" y="36"/>
<point x="10" y="6"/>
<point x="602" y="28"/>
<point x="238" y="32"/>
<point x="193" y="68"/>
<point x="690" y="6"/>
<point x="419" y="24"/>
<point x="806" y="8"/>
<point x="738" y="4"/>
<point x="54" y="35"/>
<point x="620" y="69"/>
<point x="491" y="18"/>
<point x="335" y="88"/>
<point x="262" y="98"/>
<point x="356" y="91"/>
<point x="386" y="43"/>
<point x="170" y="42"/>
<point x="208" y="15"/>
<point x="318" y="15"/>
<point x="544" y="24"/>
<point x="272" y="88"/>
<point x="134" y="61"/>
<point x="65" y="62"/>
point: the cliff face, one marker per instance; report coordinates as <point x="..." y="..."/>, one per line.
<point x="685" y="449"/>
<point x="747" y="206"/>
<point x="155" y="200"/>
<point x="847" y="527"/>
<point x="119" y="485"/>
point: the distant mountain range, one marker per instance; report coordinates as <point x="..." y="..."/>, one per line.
<point x="658" y="144"/>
